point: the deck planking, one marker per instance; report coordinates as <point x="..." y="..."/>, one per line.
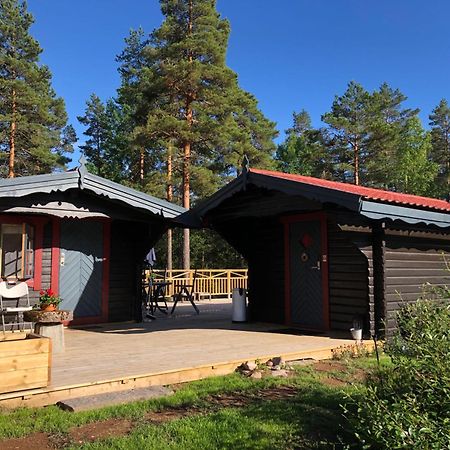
<point x="171" y="349"/>
<point x="186" y="340"/>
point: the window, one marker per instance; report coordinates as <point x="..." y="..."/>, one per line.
<point x="17" y="251"/>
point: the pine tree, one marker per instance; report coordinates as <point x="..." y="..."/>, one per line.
<point x="304" y="151"/>
<point x="195" y="103"/>
<point x="33" y="137"/>
<point x="440" y="139"/>
<point x="96" y="130"/>
<point x="109" y="133"/>
<point x="348" y="131"/>
<point x="388" y="123"/>
<point x="413" y="172"/>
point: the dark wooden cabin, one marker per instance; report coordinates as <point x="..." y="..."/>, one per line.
<point x="84" y="237"/>
<point x="322" y="254"/>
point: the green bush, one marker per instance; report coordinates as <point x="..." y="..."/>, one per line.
<point x="407" y="406"/>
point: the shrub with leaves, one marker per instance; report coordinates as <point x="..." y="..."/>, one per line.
<point x="407" y="405"/>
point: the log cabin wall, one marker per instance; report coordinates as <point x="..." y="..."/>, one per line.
<point x="350" y="271"/>
<point x="412" y="259"/>
<point x="127" y="242"/>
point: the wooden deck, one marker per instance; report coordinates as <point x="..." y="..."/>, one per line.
<point x="171" y="349"/>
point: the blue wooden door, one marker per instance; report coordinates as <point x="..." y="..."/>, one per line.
<point x="306" y="295"/>
<point x="81" y="271"/>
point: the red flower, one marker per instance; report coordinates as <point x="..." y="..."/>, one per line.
<point x="50" y="293"/>
<point x="41" y="292"/>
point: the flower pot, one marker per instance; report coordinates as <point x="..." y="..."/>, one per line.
<point x="356" y="333"/>
<point x="50" y="307"/>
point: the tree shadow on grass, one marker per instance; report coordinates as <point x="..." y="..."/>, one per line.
<point x="312" y="420"/>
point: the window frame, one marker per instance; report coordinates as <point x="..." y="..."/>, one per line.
<point x="37" y="222"/>
<point x="26" y="232"/>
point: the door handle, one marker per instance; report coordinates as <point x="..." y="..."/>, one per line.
<point x="317" y="266"/>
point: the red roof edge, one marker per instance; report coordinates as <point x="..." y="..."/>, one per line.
<point x="366" y="193"/>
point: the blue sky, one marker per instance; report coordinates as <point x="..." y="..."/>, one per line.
<point x="291" y="54"/>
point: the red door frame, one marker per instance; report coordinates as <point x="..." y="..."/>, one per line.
<point x="287" y="221"/>
<point x="56" y="252"/>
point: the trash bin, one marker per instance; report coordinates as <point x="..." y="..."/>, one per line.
<point x="239" y="305"/>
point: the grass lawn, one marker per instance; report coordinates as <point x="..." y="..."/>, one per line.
<point x="231" y="412"/>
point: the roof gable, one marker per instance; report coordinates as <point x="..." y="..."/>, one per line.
<point x="364" y="192"/>
<point x="372" y="203"/>
<point x="83" y="180"/>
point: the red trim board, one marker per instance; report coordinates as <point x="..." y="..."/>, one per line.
<point x="56" y="242"/>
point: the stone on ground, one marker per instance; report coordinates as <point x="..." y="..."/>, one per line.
<point x="302" y="362"/>
<point x="257" y="375"/>
<point x="278" y="361"/>
<point x="250" y="365"/>
<point x="280" y="373"/>
<point x="113" y="398"/>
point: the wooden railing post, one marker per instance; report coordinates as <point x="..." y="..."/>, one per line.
<point x="229" y="284"/>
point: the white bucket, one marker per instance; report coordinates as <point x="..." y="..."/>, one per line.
<point x="239" y="305"/>
<point x="356" y="333"/>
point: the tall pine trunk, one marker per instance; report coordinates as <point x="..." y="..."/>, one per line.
<point x="187" y="159"/>
<point x="169" y="199"/>
<point x="356" y="162"/>
<point x="447" y="147"/>
<point x="141" y="166"/>
<point x="186" y="203"/>
<point x="12" y="136"/>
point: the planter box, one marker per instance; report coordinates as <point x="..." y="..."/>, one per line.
<point x="25" y="362"/>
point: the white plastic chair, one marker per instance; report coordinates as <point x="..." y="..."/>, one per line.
<point x="17" y="292"/>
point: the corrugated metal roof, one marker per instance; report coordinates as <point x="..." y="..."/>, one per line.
<point x="365" y="192"/>
<point x="81" y="179"/>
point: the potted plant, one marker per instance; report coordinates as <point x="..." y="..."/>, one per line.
<point x="48" y="300"/>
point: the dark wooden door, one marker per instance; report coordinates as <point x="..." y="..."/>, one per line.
<point x="306" y="272"/>
<point x="81" y="271"/>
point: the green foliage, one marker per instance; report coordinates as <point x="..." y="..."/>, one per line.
<point x="97" y="131"/>
<point x="304" y="152"/>
<point x="413" y="172"/>
<point x="440" y="139"/>
<point x="348" y="131"/>
<point x="408" y="405"/>
<point x="185" y="65"/>
<point x="175" y="65"/>
<point x="209" y="251"/>
<point x="107" y="130"/>
<point x="388" y="122"/>
<point x="178" y="105"/>
<point x="27" y="100"/>
<point x="370" y="139"/>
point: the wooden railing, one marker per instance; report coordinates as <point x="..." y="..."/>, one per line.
<point x="214" y="283"/>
